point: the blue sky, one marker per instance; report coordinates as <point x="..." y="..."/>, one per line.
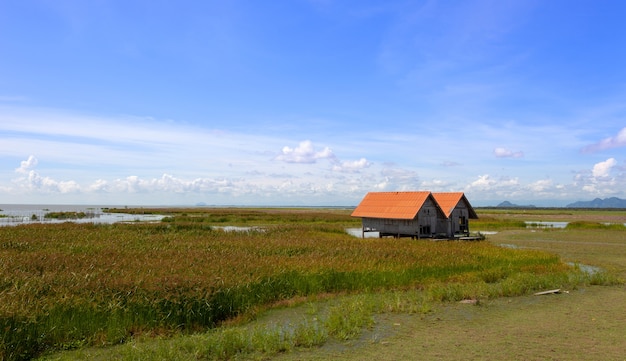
<point x="311" y="102"/>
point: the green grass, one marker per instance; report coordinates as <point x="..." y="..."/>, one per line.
<point x="489" y="223"/>
<point x="69" y="286"/>
<point x="595" y="225"/>
<point x="66" y="215"/>
<point x="340" y="319"/>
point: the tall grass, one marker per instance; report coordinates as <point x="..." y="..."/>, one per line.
<point x="247" y="216"/>
<point x="341" y="319"/>
<point x="595" y="225"/>
<point x="492" y="223"/>
<point x="67" y="285"/>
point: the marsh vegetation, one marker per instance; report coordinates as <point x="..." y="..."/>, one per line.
<point x="73" y="286"/>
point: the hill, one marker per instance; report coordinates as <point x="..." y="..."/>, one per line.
<point x="507" y="204"/>
<point x="612" y="202"/>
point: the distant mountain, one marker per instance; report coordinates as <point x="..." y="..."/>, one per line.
<point x="507" y="204"/>
<point x="612" y="202"/>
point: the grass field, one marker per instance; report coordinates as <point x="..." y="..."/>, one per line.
<point x="586" y="323"/>
<point x="157" y="288"/>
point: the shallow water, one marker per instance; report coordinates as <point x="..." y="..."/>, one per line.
<point x="591" y="270"/>
<point x="12" y="215"/>
<point x="239" y="229"/>
<point x="552" y="224"/>
<point x="512" y="246"/>
<point x="547" y="224"/>
<point x="357" y="232"/>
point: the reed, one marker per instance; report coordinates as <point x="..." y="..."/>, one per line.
<point x="67" y="285"/>
<point x="67" y="215"/>
<point x="595" y="225"/>
<point x="490" y="223"/>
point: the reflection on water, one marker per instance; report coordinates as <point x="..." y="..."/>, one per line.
<point x="358" y="232"/>
<point x="12" y="215"/>
<point x="541" y="224"/>
<point x="239" y="229"/>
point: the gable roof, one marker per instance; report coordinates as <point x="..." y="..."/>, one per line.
<point x="449" y="200"/>
<point x="406" y="205"/>
<point x="394" y="205"/>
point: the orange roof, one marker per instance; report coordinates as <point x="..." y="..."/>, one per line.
<point x="396" y="205"/>
<point x="449" y="200"/>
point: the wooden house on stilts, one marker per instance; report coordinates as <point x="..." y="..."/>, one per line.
<point x="458" y="212"/>
<point x="415" y="214"/>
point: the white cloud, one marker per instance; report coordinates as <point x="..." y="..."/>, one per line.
<point x="115" y="161"/>
<point x="603" y="169"/>
<point x="397" y="179"/>
<point x="483" y="182"/>
<point x="601" y="180"/>
<point x="488" y="187"/>
<point x="31" y="180"/>
<point x="541" y="185"/>
<point x="506" y="153"/>
<point x="308" y="188"/>
<point x="37" y="183"/>
<point x="616" y="141"/>
<point x="601" y="187"/>
<point x="99" y="185"/>
<point x="304" y="153"/>
<point x="170" y="184"/>
<point x="27" y="165"/>
<point x="351" y="166"/>
<point x="382" y="185"/>
<point x="437" y="185"/>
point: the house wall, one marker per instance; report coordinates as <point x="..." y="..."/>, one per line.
<point x="423" y="225"/>
<point x="444" y="226"/>
<point x="409" y="227"/>
<point x="428" y="215"/>
<point x="459" y="219"/>
<point x="458" y="222"/>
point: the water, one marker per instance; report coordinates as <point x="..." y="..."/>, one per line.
<point x="239" y="229"/>
<point x="552" y="224"/>
<point x="511" y="246"/>
<point x="547" y="224"/>
<point x="357" y="232"/>
<point x="590" y="270"/>
<point x="16" y="214"/>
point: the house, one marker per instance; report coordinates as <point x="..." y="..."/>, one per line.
<point x="399" y="214"/>
<point x="458" y="212"/>
<point x="419" y="214"/>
